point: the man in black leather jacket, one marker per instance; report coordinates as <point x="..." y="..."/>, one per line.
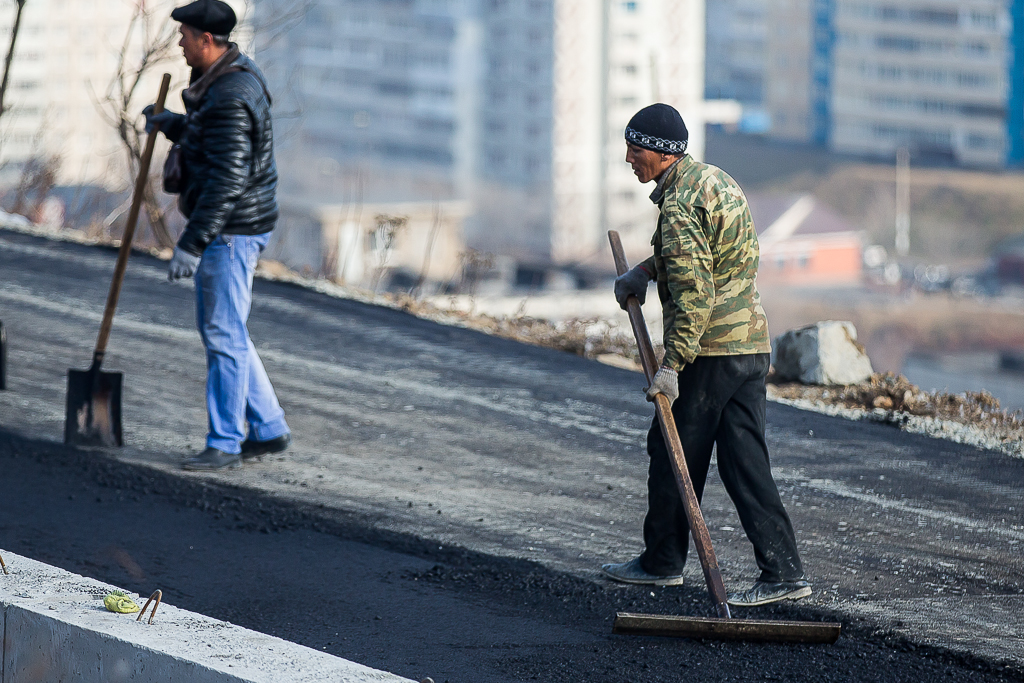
<point x="228" y="194"/>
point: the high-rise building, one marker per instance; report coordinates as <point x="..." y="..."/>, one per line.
<point x="789" y="55"/>
<point x="930" y="76"/>
<point x="737" y="47"/>
<point x="939" y="77"/>
<point x="515" y="106"/>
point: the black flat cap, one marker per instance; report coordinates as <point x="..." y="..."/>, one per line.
<point x="209" y="16"/>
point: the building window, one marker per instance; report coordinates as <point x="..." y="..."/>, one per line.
<point x="976" y="141"/>
<point x="984" y="19"/>
<point x="976" y="49"/>
<point x="940" y="17"/>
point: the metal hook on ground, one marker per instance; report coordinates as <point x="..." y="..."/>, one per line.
<point x="157" y="595"/>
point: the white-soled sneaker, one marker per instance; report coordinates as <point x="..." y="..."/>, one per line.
<point x="765" y="593"/>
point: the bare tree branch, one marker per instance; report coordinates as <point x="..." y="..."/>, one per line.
<point x="273" y="27"/>
<point x="10" y="53"/>
<point x="135" y="60"/>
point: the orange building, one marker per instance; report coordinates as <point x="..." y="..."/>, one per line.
<point x="805" y="243"/>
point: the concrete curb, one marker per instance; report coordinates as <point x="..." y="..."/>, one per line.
<point x="55" y="628"/>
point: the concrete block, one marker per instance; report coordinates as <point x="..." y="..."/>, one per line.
<point x="824" y="353"/>
<point x="56" y="629"/>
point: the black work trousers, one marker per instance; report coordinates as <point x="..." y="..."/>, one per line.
<point x="721" y="401"/>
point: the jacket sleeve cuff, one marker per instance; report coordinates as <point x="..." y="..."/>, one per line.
<point x="190" y="244"/>
<point x="173" y="130"/>
<point x="674" y="359"/>
<point x="649" y="268"/>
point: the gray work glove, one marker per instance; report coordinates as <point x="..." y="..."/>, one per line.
<point x="162" y="119"/>
<point x="634" y="281"/>
<point x="183" y="264"/>
<point x="666" y="381"/>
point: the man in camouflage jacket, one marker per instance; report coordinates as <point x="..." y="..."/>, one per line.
<point x="717" y="354"/>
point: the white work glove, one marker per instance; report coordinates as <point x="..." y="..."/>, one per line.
<point x="634" y="281"/>
<point x="183" y="264"/>
<point x="666" y="381"/>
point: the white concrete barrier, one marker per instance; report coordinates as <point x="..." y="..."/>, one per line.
<point x="56" y="629"/>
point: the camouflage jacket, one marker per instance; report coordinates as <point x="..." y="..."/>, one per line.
<point x="705" y="261"/>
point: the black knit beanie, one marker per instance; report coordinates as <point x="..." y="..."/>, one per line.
<point x="660" y="128"/>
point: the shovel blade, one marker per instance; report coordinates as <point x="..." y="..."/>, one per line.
<point x="3" y="357"/>
<point x="93" y="415"/>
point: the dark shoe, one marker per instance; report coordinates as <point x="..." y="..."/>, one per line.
<point x="254" y="449"/>
<point x="764" y="593"/>
<point x="212" y="460"/>
<point x="632" y="572"/>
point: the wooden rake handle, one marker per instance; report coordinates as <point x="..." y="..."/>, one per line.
<point x="698" y="529"/>
<point x="129" y="232"/>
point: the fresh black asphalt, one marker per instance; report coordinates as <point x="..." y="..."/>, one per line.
<point x="451" y="494"/>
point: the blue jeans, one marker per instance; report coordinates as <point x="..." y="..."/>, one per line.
<point x="238" y="390"/>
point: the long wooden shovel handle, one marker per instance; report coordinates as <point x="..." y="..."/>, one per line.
<point x="129" y="232"/>
<point x="698" y="529"/>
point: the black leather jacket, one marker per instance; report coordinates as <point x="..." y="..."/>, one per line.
<point x="228" y="147"/>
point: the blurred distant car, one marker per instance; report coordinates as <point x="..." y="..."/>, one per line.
<point x="1008" y="260"/>
<point x="984" y="283"/>
<point x="932" y="278"/>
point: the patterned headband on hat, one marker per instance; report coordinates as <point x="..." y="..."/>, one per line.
<point x="655" y="143"/>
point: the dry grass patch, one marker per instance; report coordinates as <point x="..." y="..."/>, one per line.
<point x="895" y="396"/>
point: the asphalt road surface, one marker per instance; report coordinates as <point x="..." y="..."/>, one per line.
<point x="450" y="496"/>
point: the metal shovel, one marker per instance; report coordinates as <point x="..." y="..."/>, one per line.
<point x="93" y="415"/>
<point x="3" y="357"/>
<point x="724" y="627"/>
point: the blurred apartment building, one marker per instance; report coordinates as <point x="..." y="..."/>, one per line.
<point x="506" y="113"/>
<point x="737" y="47"/>
<point x="65" y="61"/>
<point x="942" y="78"/>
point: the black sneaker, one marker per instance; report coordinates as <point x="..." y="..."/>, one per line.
<point x="632" y="572"/>
<point x="212" y="460"/>
<point x="765" y="593"/>
<point x="255" y="449"/>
